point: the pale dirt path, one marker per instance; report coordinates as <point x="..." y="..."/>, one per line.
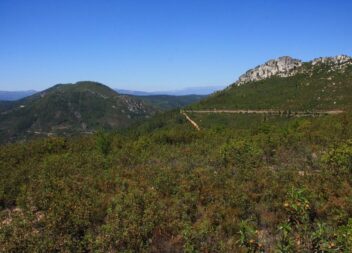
<point x="300" y="113"/>
<point x="274" y="112"/>
<point x="195" y="125"/>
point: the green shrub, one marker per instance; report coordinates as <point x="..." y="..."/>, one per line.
<point x="241" y="154"/>
<point x="340" y="157"/>
<point x="103" y="142"/>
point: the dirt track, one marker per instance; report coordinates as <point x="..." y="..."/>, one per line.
<point x="276" y="112"/>
<point x="270" y="112"/>
<point x="190" y="120"/>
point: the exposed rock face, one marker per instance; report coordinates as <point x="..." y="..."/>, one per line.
<point x="283" y="67"/>
<point x="340" y="59"/>
<point x="286" y="66"/>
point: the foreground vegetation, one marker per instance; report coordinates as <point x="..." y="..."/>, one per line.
<point x="243" y="183"/>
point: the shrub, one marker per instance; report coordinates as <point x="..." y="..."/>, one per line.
<point x="340" y="157"/>
<point x="103" y="142"/>
<point x="241" y="154"/>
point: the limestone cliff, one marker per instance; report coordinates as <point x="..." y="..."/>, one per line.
<point x="283" y="66"/>
<point x="287" y="66"/>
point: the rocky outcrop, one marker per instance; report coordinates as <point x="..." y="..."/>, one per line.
<point x="286" y="66"/>
<point x="283" y="67"/>
<point x="337" y="60"/>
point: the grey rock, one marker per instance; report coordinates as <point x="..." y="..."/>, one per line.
<point x="282" y="66"/>
<point x="287" y="66"/>
<point x="340" y="59"/>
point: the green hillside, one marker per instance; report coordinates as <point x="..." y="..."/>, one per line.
<point x="71" y="108"/>
<point x="5" y="105"/>
<point x="167" y="102"/>
<point x="319" y="87"/>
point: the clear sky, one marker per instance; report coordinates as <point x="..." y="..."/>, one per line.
<point x="162" y="44"/>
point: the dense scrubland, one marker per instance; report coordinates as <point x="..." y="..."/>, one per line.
<point x="241" y="184"/>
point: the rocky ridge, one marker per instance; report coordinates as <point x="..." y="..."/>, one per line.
<point x="287" y="66"/>
<point x="337" y="60"/>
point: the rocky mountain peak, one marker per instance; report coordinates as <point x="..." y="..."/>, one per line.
<point x="283" y="66"/>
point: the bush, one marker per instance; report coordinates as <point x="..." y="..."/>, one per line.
<point x="340" y="157"/>
<point x="241" y="154"/>
<point x="103" y="142"/>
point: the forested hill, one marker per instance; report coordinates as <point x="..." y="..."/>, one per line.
<point x="69" y="109"/>
<point x="321" y="84"/>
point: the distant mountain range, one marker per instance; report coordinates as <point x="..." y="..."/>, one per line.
<point x="206" y="90"/>
<point x="15" y="95"/>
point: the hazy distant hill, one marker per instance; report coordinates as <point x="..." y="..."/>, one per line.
<point x="164" y="100"/>
<point x="71" y="108"/>
<point x="15" y="95"/>
<point x="289" y="84"/>
<point x="206" y="90"/>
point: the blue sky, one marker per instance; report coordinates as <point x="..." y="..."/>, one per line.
<point x="161" y="45"/>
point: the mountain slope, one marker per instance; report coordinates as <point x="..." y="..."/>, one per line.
<point x="71" y="108"/>
<point x="168" y="102"/>
<point x="321" y="84"/>
<point x="161" y="101"/>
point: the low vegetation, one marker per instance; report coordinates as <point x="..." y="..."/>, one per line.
<point x="280" y="185"/>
